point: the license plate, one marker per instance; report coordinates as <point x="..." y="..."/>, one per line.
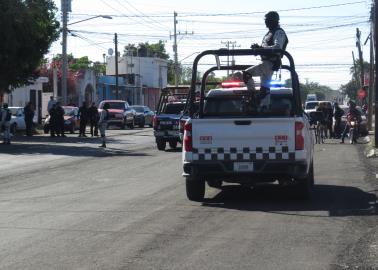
<point x="165" y="123"/>
<point x="243" y="166"/>
<point x="118" y="115"/>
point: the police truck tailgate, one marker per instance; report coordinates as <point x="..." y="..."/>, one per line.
<point x="243" y="138"/>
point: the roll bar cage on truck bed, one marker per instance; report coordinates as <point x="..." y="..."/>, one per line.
<point x="298" y="110"/>
<point x="166" y="93"/>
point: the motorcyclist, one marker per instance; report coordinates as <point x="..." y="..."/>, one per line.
<point x="352" y="115"/>
<point x="338" y="113"/>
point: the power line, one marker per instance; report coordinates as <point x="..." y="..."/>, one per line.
<point x="138" y="16"/>
<point x="152" y="15"/>
<point x="182" y="14"/>
<point x="259" y="12"/>
<point x="131" y="17"/>
<point x="144" y="15"/>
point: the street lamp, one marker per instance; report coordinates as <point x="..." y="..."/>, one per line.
<point x="64" y="47"/>
<point x="94" y="17"/>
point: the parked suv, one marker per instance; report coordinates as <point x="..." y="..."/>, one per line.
<point x="120" y="113"/>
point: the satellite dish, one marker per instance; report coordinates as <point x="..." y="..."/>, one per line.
<point x="110" y="51"/>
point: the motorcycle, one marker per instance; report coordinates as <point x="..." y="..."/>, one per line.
<point x="353" y="130"/>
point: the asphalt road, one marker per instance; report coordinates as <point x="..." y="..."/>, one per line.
<point x="66" y="204"/>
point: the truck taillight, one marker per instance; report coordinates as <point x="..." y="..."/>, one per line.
<point x="154" y="122"/>
<point x="182" y="124"/>
<point x="299" y="140"/>
<point x="188" y="146"/>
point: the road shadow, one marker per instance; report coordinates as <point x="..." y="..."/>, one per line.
<point x="71" y="138"/>
<point x="174" y="150"/>
<point x="338" y="201"/>
<point x="55" y="148"/>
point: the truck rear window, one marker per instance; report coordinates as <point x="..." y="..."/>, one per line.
<point x="174" y="108"/>
<point x="280" y="106"/>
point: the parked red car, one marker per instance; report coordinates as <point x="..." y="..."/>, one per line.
<point x="120" y="113"/>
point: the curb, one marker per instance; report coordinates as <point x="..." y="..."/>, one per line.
<point x="370" y="151"/>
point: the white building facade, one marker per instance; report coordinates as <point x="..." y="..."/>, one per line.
<point x="20" y="96"/>
<point x="151" y="70"/>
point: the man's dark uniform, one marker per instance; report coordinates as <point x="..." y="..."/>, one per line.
<point x="60" y="121"/>
<point x="29" y="115"/>
<point x="83" y="114"/>
<point x="53" y="120"/>
<point x="93" y="118"/>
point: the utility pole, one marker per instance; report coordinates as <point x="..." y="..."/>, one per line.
<point x="228" y="43"/>
<point x="175" y="34"/>
<point x="361" y="60"/>
<point x="371" y="72"/>
<point x="375" y="71"/>
<point x="65" y="8"/>
<point x="116" y="64"/>
<point x="355" y="69"/>
<point x="175" y="47"/>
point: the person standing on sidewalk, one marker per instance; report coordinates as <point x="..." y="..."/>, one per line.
<point x="6" y="116"/>
<point x="50" y="104"/>
<point x="103" y="123"/>
<point x="59" y="120"/>
<point x="29" y="115"/>
<point x="93" y="118"/>
<point x="83" y="116"/>
<point x="53" y="120"/>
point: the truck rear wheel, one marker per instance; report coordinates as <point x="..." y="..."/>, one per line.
<point x="195" y="188"/>
<point x="160" y="144"/>
<point x="173" y="144"/>
<point x="304" y="187"/>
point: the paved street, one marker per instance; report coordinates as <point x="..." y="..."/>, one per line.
<point x="67" y="204"/>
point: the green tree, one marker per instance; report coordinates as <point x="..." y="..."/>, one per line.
<point x="350" y="89"/>
<point x="80" y="64"/>
<point x="28" y="27"/>
<point x="147" y="50"/>
<point x="130" y="48"/>
<point x="321" y="91"/>
<point x="186" y="75"/>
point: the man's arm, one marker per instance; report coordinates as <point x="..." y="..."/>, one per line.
<point x="279" y="40"/>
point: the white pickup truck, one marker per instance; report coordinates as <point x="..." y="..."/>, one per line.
<point x="229" y="141"/>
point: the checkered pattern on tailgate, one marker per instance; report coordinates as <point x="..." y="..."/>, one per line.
<point x="243" y="154"/>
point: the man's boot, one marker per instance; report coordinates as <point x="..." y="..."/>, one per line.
<point x="103" y="145"/>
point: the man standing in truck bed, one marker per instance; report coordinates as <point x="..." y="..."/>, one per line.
<point x="275" y="39"/>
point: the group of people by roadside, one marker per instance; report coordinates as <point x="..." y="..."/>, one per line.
<point x="87" y="115"/>
<point x="97" y="120"/>
<point x="335" y="113"/>
<point x="56" y="123"/>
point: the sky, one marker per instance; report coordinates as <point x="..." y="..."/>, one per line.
<point x="322" y="33"/>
